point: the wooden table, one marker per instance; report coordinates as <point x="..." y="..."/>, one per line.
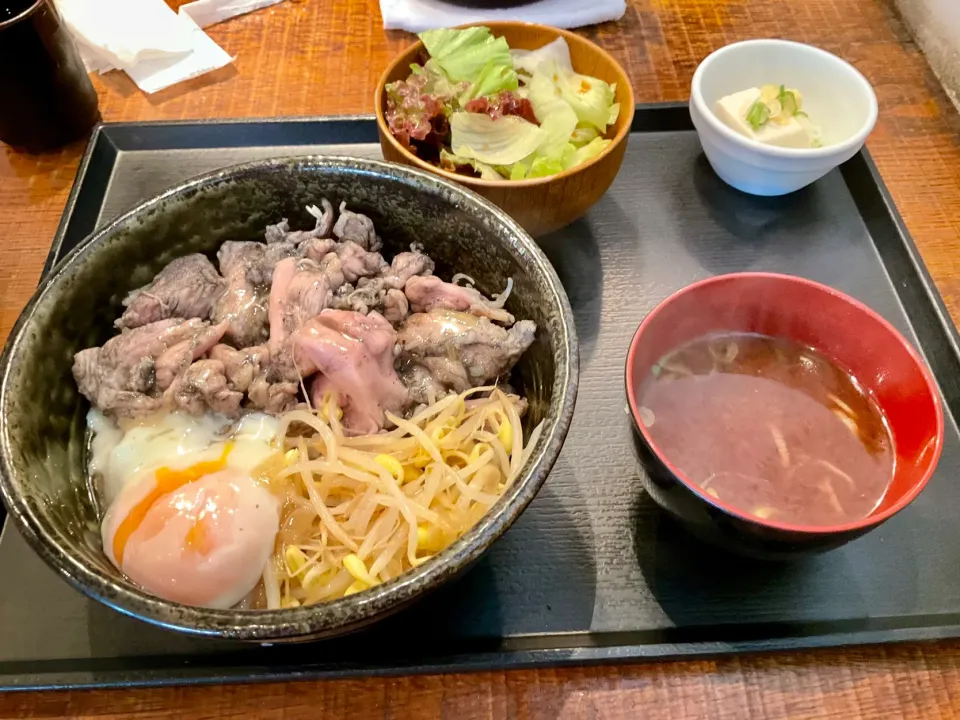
<point x="322" y="57"/>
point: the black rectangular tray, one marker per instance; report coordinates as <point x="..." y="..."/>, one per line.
<point x="592" y="572"/>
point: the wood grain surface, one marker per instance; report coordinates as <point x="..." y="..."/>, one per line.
<point x="322" y="57"/>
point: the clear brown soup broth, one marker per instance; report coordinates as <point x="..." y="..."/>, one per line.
<point x="771" y="428"/>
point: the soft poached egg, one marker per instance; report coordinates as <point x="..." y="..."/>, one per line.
<point x="186" y="519"/>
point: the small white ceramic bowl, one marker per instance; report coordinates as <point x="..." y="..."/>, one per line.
<point x="836" y="96"/>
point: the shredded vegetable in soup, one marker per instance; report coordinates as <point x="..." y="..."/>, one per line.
<point x="359" y="511"/>
<point x="770" y="427"/>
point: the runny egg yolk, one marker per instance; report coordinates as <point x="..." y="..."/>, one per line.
<point x="198" y="535"/>
<point x="167" y="481"/>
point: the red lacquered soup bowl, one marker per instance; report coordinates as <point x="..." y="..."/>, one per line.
<point x="816" y="316"/>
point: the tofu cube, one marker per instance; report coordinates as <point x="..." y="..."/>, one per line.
<point x="732" y="112"/>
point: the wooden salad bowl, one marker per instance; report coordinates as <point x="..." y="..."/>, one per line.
<point x="540" y="205"/>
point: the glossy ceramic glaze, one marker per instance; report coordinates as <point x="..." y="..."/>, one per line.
<point x="816" y="316"/>
<point x="42" y="415"/>
<point x="836" y="96"/>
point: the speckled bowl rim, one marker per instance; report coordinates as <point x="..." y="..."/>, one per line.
<point x="349" y="613"/>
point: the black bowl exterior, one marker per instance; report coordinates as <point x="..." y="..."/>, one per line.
<point x="715" y="526"/>
<point x="42" y="416"/>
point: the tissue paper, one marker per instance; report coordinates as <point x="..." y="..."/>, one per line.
<point x="154" y="75"/>
<point x="94" y="60"/>
<point x="127" y="31"/>
<point x="154" y="45"/>
<point x="209" y="12"/>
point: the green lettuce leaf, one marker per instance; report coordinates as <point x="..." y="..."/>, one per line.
<point x="518" y="171"/>
<point x="590" y="150"/>
<point x="614" y="109"/>
<point x="557" y="118"/>
<point x="544" y="96"/>
<point x="436" y="81"/>
<point x="504" y="141"/>
<point x="592" y="99"/>
<point x="557" y="131"/>
<point x="581" y="136"/>
<point x="463" y="54"/>
<point x="545" y="167"/>
<point x="492" y="80"/>
<point x="556" y="52"/>
<point x="573" y="110"/>
<point x="559" y="159"/>
<point x="448" y="160"/>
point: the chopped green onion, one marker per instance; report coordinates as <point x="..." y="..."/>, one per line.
<point x="758" y="115"/>
<point x="788" y="102"/>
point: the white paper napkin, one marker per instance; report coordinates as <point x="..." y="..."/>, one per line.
<point x="124" y="32"/>
<point x="419" y="15"/>
<point x="209" y="12"/>
<point x="94" y="59"/>
<point x="154" y="45"/>
<point x="205" y="56"/>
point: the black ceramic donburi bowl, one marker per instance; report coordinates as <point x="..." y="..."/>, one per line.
<point x="42" y="416"/>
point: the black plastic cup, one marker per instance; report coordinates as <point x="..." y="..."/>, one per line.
<point x="46" y="99"/>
